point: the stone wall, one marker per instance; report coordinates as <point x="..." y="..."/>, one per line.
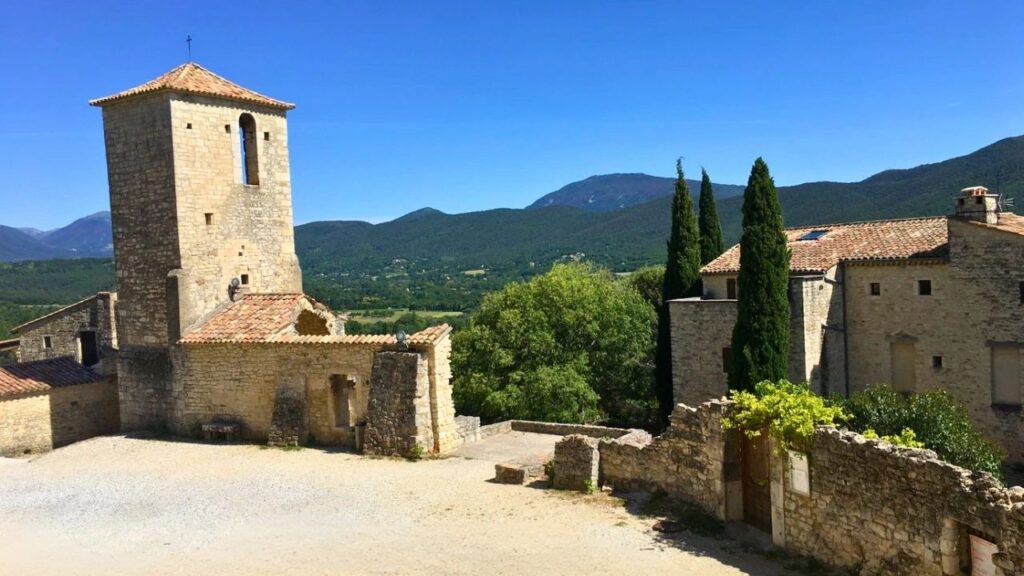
<point x="240" y="382"/>
<point x="289" y="423"/>
<point x="227" y="228"/>
<point x="690" y="460"/>
<point x="33" y="424"/>
<point x="897" y="511"/>
<point x="866" y="505"/>
<point x="95" y="314"/>
<point x="399" y="413"/>
<point x="701" y="329"/>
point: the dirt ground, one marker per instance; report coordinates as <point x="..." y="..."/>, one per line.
<point x="118" y="505"/>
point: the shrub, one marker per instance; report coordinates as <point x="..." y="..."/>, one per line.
<point x="906" y="438"/>
<point x="938" y="421"/>
<point x="788" y="411"/>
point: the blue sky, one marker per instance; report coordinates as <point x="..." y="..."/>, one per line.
<point x="473" y="105"/>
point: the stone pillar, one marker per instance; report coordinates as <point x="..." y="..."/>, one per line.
<point x="398" y="414"/>
<point x="576" y="463"/>
<point x="288" y="425"/>
<point x="949" y="541"/>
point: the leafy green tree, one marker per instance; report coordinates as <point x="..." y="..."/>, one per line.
<point x="572" y="345"/>
<point x="682" y="279"/>
<point x="649" y="281"/>
<point x="711" y="244"/>
<point x="760" y="339"/>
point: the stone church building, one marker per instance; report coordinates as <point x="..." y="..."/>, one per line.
<point x="919" y="304"/>
<point x="209" y="331"/>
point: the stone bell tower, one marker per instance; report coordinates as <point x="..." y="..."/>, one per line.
<point x="200" y="198"/>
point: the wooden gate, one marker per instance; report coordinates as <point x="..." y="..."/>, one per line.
<point x="757" y="493"/>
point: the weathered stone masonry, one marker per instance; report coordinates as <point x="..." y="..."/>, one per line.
<point x="889" y="511"/>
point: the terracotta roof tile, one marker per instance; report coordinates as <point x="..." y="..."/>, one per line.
<point x="192" y="78"/>
<point x="43" y="375"/>
<point x="857" y="241"/>
<point x="251" y="318"/>
<point x="258" y="318"/>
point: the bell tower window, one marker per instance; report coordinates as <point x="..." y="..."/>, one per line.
<point x="250" y="159"/>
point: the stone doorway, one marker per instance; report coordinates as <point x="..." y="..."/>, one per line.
<point x="88" y="347"/>
<point x="757" y="494"/>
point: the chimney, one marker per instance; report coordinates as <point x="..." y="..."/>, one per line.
<point x="975" y="203"/>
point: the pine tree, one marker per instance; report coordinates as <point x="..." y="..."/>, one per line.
<point x="711" y="245"/>
<point x="682" y="280"/>
<point x="760" y="340"/>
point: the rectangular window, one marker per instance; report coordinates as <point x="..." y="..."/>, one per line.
<point x="1006" y="376"/>
<point x="726" y="359"/>
<point x="245" y="279"/>
<point x="266" y="136"/>
<point x="47" y="342"/>
<point x="188" y="126"/>
<point x="209" y="218"/>
<point x="227" y="128"/>
<point x="924" y="287"/>
<point x="876" y="289"/>
<point x="1020" y="286"/>
<point x="936" y="361"/>
<point x="904" y="377"/>
<point x="730" y="288"/>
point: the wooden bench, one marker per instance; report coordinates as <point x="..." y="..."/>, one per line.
<point x="220" y="431"/>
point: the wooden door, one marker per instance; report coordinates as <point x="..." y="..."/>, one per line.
<point x="757" y="493"/>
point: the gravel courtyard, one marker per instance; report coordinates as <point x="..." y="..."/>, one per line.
<point x="118" y="505"/>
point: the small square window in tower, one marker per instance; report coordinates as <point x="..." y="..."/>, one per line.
<point x="924" y="287"/>
<point x="876" y="289"/>
<point x="936" y="362"/>
<point x="245" y="279"/>
<point x="209" y="218"/>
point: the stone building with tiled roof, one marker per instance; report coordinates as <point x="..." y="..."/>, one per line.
<point x="209" y="332"/>
<point x="918" y="303"/>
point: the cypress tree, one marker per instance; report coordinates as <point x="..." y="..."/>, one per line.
<point x="711" y="245"/>
<point x="760" y="339"/>
<point x="682" y="280"/>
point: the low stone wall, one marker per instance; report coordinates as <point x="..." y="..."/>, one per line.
<point x="687" y="461"/>
<point x="566" y="429"/>
<point x="38" y="423"/>
<point x="898" y="511"/>
<point x="850" y="502"/>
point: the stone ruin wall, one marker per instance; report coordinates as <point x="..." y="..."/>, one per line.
<point x="687" y="461"/>
<point x="886" y="510"/>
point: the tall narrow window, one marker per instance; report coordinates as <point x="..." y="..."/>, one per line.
<point x="1006" y="387"/>
<point x="250" y="160"/>
<point x="726" y="359"/>
<point x="730" y="288"/>
<point x="904" y="377"/>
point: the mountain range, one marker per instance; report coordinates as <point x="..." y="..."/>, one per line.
<point x="618" y="220"/>
<point x="88" y="237"/>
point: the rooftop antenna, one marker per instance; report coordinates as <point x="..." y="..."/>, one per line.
<point x="188" y="40"/>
